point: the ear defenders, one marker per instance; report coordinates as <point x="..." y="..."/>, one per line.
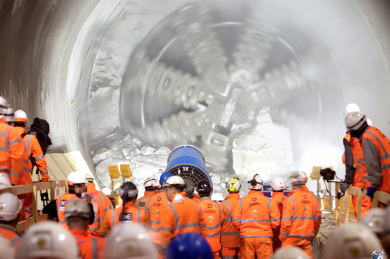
<point x="233" y="181"/>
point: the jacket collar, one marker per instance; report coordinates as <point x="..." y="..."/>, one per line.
<point x="183" y="194"/>
<point x="302" y="189"/>
<point x="91" y="187"/>
<point x="274" y="194"/>
<point x="233" y="195"/>
<point x="149" y="193"/>
<point x="205" y="198"/>
<point x="20" y="130"/>
<point x="253" y="193"/>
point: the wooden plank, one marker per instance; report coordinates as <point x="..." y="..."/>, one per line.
<point x="42" y="185"/>
<point x="57" y="172"/>
<point x="62" y="163"/>
<point x="375" y="201"/>
<point x="20" y="189"/>
<point x="52" y="191"/>
<point x="346" y="205"/>
<point x="337" y="205"/>
<point x="383" y="197"/>
<point x="25" y="224"/>
<point x="354" y="191"/>
<point x="359" y="205"/>
<point x="34" y="200"/>
<point x="72" y="162"/>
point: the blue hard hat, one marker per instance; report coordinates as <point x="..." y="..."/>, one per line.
<point x="189" y="246"/>
<point x="164" y="177"/>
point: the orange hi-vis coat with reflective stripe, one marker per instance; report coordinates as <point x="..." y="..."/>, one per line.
<point x="12" y="152"/>
<point x="90" y="247"/>
<point x="182" y="215"/>
<point x="140" y="203"/>
<point x="196" y="198"/>
<point x="301" y="215"/>
<point x="156" y="204"/>
<point x="256" y="216"/>
<point x="378" y="158"/>
<point x="33" y="148"/>
<point x="212" y="215"/>
<point x="131" y="213"/>
<point x="277" y="198"/>
<point x="101" y="205"/>
<point x="61" y="204"/>
<point x="10" y="234"/>
<point x="229" y="233"/>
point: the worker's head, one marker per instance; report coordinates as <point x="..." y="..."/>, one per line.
<point x="10" y="207"/>
<point x="256" y="183"/>
<point x="356" y="123"/>
<point x="151" y="184"/>
<point x="204" y="189"/>
<point x="163" y="178"/>
<point x="351" y="240"/>
<point x="10" y="116"/>
<point x="130" y="241"/>
<point x="77" y="183"/>
<point x="3" y="107"/>
<point x="7" y="251"/>
<point x="291" y="252"/>
<point x="189" y="246"/>
<point x="297" y="179"/>
<point x="128" y="192"/>
<point x="233" y="185"/>
<point x="173" y="185"/>
<point x="20" y="119"/>
<point x="77" y="215"/>
<point x="352" y="107"/>
<point x="385" y="237"/>
<point x="47" y="240"/>
<point x="89" y="178"/>
<point x="278" y="184"/>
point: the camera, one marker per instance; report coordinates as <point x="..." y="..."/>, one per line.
<point x="328" y="174"/>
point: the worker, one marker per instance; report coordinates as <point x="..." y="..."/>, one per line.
<point x="77" y="215"/>
<point x="129" y="241"/>
<point x="101" y="205"/>
<point x="151" y="189"/>
<point x="12" y="149"/>
<point x="385" y="237"/>
<point x="351" y="240"/>
<point x="291" y="252"/>
<point x="278" y="186"/>
<point x="256" y="217"/>
<point x="10" y="206"/>
<point x="47" y="240"/>
<point x="212" y="215"/>
<point x="181" y="215"/>
<point x="189" y="246"/>
<point x="156" y="204"/>
<point x="301" y="218"/>
<point x="7" y="252"/>
<point x="229" y="235"/>
<point x="127" y="212"/>
<point x="76" y="190"/>
<point x="376" y="150"/>
<point x="10" y="116"/>
<point x="196" y="196"/>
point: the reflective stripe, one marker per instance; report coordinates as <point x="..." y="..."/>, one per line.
<point x="242" y="213"/>
<point x="253" y="236"/>
<point x="166" y="229"/>
<point x="229" y="218"/>
<point x="28" y="208"/>
<point x="358" y="167"/>
<point x="93" y="228"/>
<point x="197" y="205"/>
<point x="14" y="240"/>
<point x="157" y="222"/>
<point x="4" y="169"/>
<point x="213" y="227"/>
<point x="6" y="141"/>
<point x="386" y="156"/>
<point x="317" y="218"/>
<point x="360" y="160"/>
<point x="365" y="177"/>
<point x="284" y="234"/>
<point x="303" y="218"/>
<point x="26" y="215"/>
<point x="269" y="206"/>
<point x="150" y="200"/>
<point x="101" y="219"/>
<point x="107" y="209"/>
<point x="95" y="211"/>
<point x="202" y="226"/>
<point x="14" y="174"/>
<point x="25" y="161"/>
<point x="286" y="218"/>
<point x="28" y="145"/>
<point x="213" y="235"/>
<point x="236" y="220"/>
<point x="294" y="215"/>
<point x="25" y="169"/>
<point x="380" y="142"/>
<point x="175" y="214"/>
<point x="302" y="236"/>
<point x="195" y="224"/>
<point x="155" y="229"/>
<point x="44" y="171"/>
<point x="39" y="157"/>
<point x="255" y="220"/>
<point x="384" y="167"/>
<point x="138" y="216"/>
<point x="15" y="141"/>
<point x="94" y="248"/>
<point x="275" y="219"/>
<point x="230" y="233"/>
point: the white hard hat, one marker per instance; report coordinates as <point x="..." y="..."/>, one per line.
<point x="4" y="181"/>
<point x="174" y="180"/>
<point x="10" y="206"/>
<point x="374" y="220"/>
<point x="47" y="240"/>
<point x="351" y="240"/>
<point x="9" y="115"/>
<point x="352" y="107"/>
<point x="290" y="252"/>
<point x="77" y="208"/>
<point x="89" y="177"/>
<point x="150" y="182"/>
<point x="106" y="191"/>
<point x="369" y="122"/>
<point x="3" y="106"/>
<point x="278" y="184"/>
<point x="354" y="120"/>
<point x="256" y="183"/>
<point x="7" y="252"/>
<point x="76" y="178"/>
<point x="130" y="240"/>
<point x="21" y="116"/>
<point x="233" y="185"/>
<point x="297" y="178"/>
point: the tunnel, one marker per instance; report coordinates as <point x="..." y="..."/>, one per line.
<point x="258" y="86"/>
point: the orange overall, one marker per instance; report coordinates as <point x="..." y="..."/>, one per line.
<point x="11" y="234"/>
<point x="229" y="234"/>
<point x="196" y="198"/>
<point x="301" y="220"/>
<point x="61" y="204"/>
<point x="90" y="247"/>
<point x="256" y="217"/>
<point x="140" y="203"/>
<point x="277" y="198"/>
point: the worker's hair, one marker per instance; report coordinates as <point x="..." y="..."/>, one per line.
<point x="71" y="188"/>
<point x="150" y="188"/>
<point x="178" y="187"/>
<point x="19" y="124"/>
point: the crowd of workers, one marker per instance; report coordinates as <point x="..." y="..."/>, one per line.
<point x="165" y="223"/>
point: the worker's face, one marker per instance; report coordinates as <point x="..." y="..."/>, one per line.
<point x="80" y="188"/>
<point x="170" y="192"/>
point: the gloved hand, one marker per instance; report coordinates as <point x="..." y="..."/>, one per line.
<point x="371" y="190"/>
<point x="344" y="187"/>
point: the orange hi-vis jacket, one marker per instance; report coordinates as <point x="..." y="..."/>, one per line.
<point x="156" y="204"/>
<point x="61" y="204"/>
<point x="12" y="152"/>
<point x="140" y="203"/>
<point x="101" y="205"/>
<point x="277" y="198"/>
<point x="11" y="234"/>
<point x="34" y="149"/>
<point x="196" y="198"/>
<point x="256" y="216"/>
<point x="131" y="213"/>
<point x="212" y="215"/>
<point x="229" y="233"/>
<point x="376" y="148"/>
<point x="301" y="215"/>
<point x="90" y="247"/>
<point x="182" y="215"/>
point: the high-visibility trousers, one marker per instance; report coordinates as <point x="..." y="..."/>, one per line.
<point x="276" y="241"/>
<point x="27" y="205"/>
<point x="366" y="205"/>
<point x="230" y="252"/>
<point x="303" y="243"/>
<point x="260" y="246"/>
